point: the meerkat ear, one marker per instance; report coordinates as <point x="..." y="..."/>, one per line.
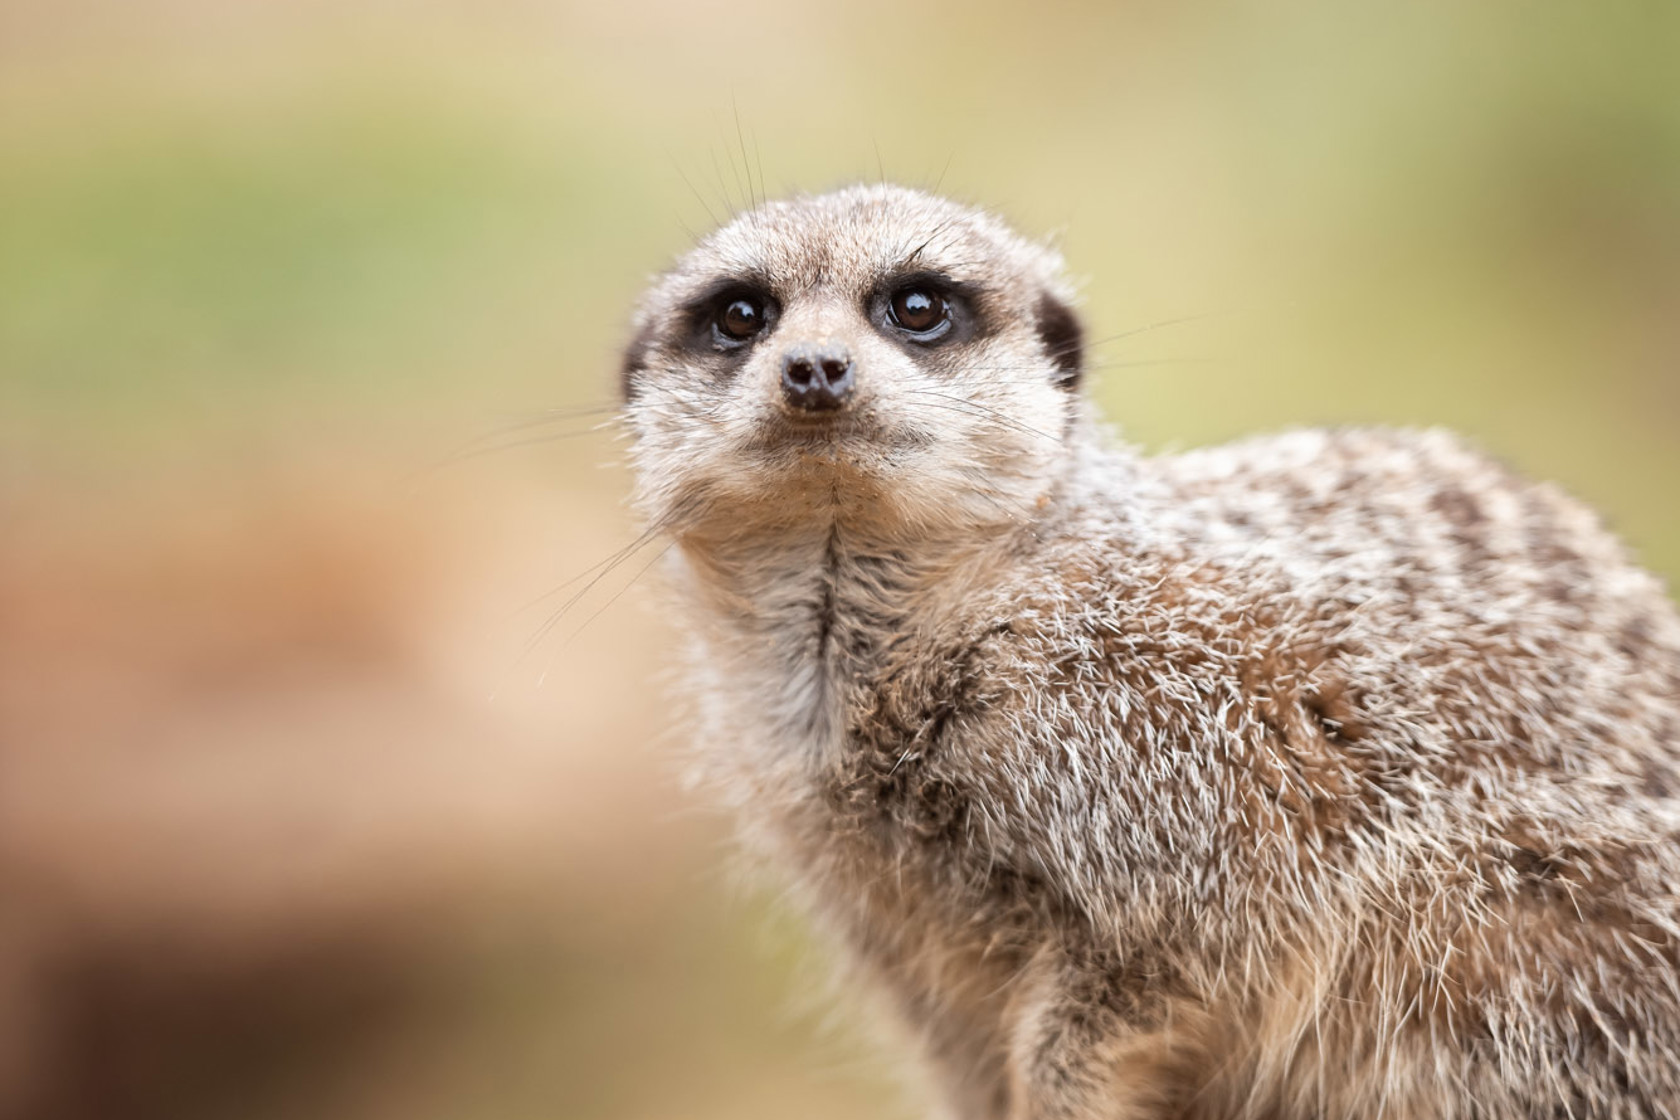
<point x="1063" y="338"/>
<point x="635" y="354"/>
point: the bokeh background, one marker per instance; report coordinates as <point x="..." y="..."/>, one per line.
<point x="310" y="805"/>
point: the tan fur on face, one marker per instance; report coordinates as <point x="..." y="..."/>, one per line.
<point x="1324" y="775"/>
<point x="943" y="453"/>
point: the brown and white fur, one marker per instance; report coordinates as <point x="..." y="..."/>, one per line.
<point x="1329" y="775"/>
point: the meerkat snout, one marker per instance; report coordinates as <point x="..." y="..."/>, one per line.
<point x="818" y="378"/>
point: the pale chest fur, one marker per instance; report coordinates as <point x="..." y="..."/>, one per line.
<point x="912" y="744"/>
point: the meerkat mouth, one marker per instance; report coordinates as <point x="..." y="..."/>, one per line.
<point x="849" y="439"/>
<point x="830" y="431"/>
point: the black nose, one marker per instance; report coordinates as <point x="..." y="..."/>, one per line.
<point x="817" y="378"/>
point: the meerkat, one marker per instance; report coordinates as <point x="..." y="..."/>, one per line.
<point x="1331" y="774"/>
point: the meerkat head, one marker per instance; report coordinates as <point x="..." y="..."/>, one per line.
<point x="875" y="358"/>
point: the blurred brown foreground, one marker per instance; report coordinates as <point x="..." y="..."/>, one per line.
<point x="289" y="828"/>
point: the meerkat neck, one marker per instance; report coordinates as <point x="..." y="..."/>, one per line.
<point x="795" y="617"/>
<point x="797" y="622"/>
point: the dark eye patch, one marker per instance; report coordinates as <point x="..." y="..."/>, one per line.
<point x="730" y="313"/>
<point x="919" y="311"/>
<point x="741" y="319"/>
<point x="923" y="309"/>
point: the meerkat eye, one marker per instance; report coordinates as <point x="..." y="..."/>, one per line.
<point x="920" y="311"/>
<point x="740" y="319"/>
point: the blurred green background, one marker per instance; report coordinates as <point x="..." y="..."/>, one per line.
<point x="305" y="811"/>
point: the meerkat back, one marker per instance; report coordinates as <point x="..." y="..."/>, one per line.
<point x="1330" y="774"/>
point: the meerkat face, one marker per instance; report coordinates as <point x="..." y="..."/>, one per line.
<point x="875" y="357"/>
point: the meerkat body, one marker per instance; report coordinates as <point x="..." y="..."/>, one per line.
<point x="1328" y="775"/>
